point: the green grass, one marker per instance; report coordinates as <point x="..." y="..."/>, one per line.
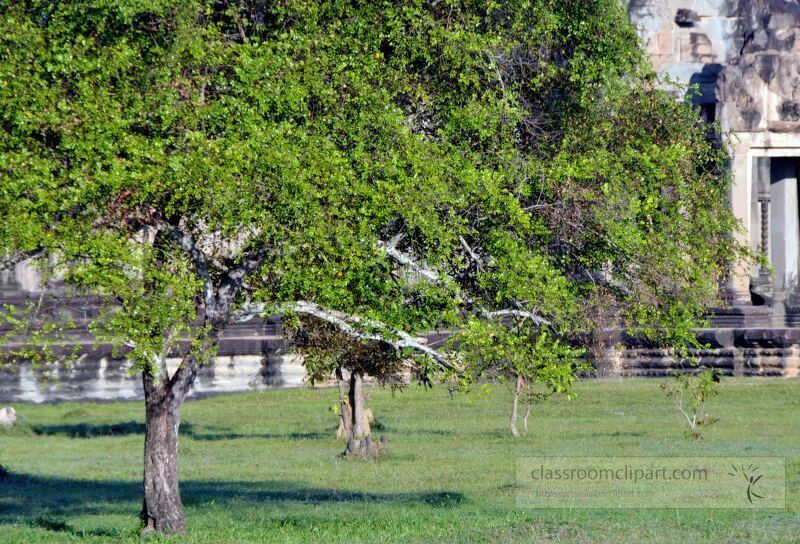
<point x="264" y="467"/>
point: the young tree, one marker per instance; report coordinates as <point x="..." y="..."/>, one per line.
<point x="522" y="353"/>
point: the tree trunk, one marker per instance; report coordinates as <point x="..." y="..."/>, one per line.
<point x="527" y="412"/>
<point x="361" y="443"/>
<point x="162" y="510"/>
<point x="360" y="421"/>
<point x="517" y="391"/>
<point x="345" y="429"/>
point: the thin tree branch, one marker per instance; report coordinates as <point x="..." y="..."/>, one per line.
<point x="199" y="259"/>
<point x="345" y="323"/>
<point x="407" y="260"/>
<point x="536" y="318"/>
<point x="432" y="275"/>
<point x="471" y="252"/>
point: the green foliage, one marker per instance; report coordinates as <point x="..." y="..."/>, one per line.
<point x="29" y="334"/>
<point x="325" y="349"/>
<point x="689" y="392"/>
<point x="517" y="152"/>
<point x="495" y="351"/>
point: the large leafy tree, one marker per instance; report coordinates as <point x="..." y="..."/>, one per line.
<point x="184" y="161"/>
<point x="385" y="167"/>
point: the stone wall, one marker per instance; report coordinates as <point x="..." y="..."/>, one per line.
<point x="92" y="378"/>
<point x="251" y="356"/>
<point x="689" y="41"/>
<point x="751" y="352"/>
<point x="745" y="57"/>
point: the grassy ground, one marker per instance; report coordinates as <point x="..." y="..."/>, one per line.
<point x="264" y="467"/>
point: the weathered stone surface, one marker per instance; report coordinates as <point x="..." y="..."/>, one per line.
<point x="689" y="40"/>
<point x="104" y="379"/>
<point x="686" y="17"/>
<point x="759" y="351"/>
<point x="8" y="417"/>
<point x="745" y="57"/>
<point x="760" y="87"/>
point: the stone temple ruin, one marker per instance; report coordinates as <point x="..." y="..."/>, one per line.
<point x="251" y="355"/>
<point x="744" y="56"/>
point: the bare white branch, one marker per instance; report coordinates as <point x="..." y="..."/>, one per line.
<point x="408" y="261"/>
<point x="471" y="252"/>
<point x="536" y="318"/>
<point x="352" y="326"/>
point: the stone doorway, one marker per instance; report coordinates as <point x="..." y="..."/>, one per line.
<point x="777" y="225"/>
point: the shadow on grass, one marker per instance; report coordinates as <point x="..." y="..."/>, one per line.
<point x="58" y="525"/>
<point x="195" y="432"/>
<point x="89" y="430"/>
<point x="380" y="427"/>
<point x="45" y="501"/>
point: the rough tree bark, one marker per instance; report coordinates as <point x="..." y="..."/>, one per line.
<point x="345" y="429"/>
<point x="517" y="392"/>
<point x="360" y="422"/>
<point x="527" y="411"/>
<point x="162" y="510"/>
<point x="361" y="443"/>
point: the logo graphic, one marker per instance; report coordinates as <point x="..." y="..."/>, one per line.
<point x="751" y="476"/>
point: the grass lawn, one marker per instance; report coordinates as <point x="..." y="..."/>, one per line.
<point x="264" y="467"/>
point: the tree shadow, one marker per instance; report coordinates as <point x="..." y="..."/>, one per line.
<point x="199" y="432"/>
<point x="60" y="526"/>
<point x="210" y="433"/>
<point x="195" y="432"/>
<point x="45" y="501"/>
<point x="380" y="427"/>
<point x="90" y="430"/>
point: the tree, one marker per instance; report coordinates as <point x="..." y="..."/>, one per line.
<point x="386" y="167"/>
<point x="184" y="160"/>
<point x="328" y="352"/>
<point x="524" y="354"/>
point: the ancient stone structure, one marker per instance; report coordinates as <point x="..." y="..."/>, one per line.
<point x="251" y="355"/>
<point x="744" y="57"/>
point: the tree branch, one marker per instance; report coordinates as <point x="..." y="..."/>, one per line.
<point x="199" y="259"/>
<point x="431" y="275"/>
<point x="346" y="323"/>
<point x="536" y="318"/>
<point x="234" y="279"/>
<point x="471" y="252"/>
<point x="406" y="260"/>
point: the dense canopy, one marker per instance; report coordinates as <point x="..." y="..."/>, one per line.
<point x="509" y="169"/>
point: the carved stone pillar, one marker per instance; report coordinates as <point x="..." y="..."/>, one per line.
<point x="739" y="283"/>
<point x="761" y="283"/>
<point x="784" y="225"/>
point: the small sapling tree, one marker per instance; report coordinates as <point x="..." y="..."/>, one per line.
<point x="522" y="354"/>
<point x="689" y="391"/>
